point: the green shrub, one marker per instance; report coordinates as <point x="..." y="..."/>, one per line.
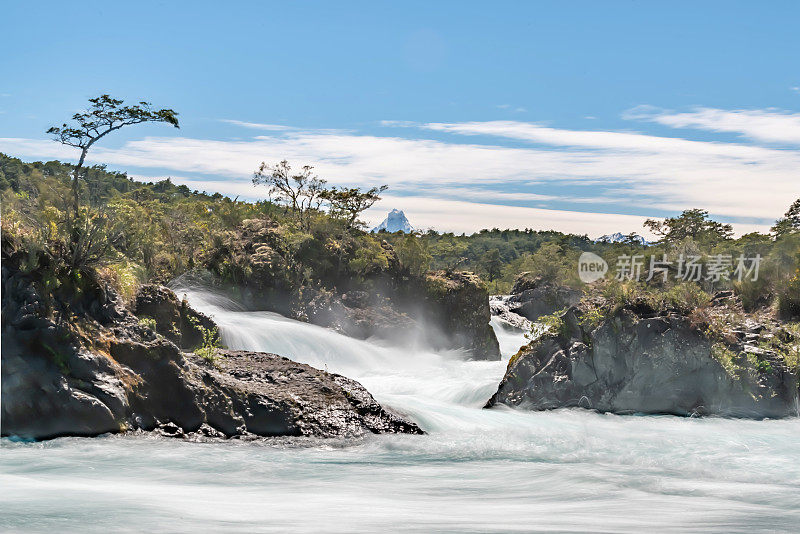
<point x="727" y="359"/>
<point x="684" y="296"/>
<point x="554" y="324"/>
<point x="369" y="259"/>
<point x="789" y="298"/>
<point x="413" y="254"/>
<point x="148" y="322"/>
<point x="125" y="277"/>
<point x="591" y="318"/>
<point x="210" y="344"/>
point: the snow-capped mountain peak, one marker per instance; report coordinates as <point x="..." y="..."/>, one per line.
<point x="619" y="237"/>
<point x="396" y="221"/>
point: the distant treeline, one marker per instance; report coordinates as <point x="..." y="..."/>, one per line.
<point x="157" y="230"/>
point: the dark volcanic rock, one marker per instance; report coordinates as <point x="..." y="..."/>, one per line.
<point x="155" y="386"/>
<point x="105" y="372"/>
<point x="446" y="310"/>
<point x="638" y="364"/>
<point x="532" y="298"/>
<point x="499" y="307"/>
<point x="269" y="395"/>
<point x="355" y="314"/>
<point x="175" y="319"/>
<point x="458" y="304"/>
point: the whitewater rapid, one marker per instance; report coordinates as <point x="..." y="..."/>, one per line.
<point x="477" y="470"/>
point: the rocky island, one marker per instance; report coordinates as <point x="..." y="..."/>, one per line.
<point x="639" y="358"/>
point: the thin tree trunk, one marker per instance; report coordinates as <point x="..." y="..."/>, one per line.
<point x="75" y="184"/>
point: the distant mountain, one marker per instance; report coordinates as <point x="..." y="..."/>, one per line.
<point x="619" y="237"/>
<point x="395" y="222"/>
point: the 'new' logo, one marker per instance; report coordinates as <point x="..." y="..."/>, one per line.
<point x="591" y="267"/>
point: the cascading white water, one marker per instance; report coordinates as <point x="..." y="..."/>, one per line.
<point x="477" y="470"/>
<point x="438" y="389"/>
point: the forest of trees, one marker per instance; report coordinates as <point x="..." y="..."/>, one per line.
<point x="155" y="231"/>
<point x="71" y="219"/>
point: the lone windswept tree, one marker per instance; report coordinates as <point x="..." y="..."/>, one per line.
<point x="301" y="191"/>
<point x="104" y="115"/>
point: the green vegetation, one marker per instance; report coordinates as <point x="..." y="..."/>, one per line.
<point x="554" y="324"/>
<point x="211" y="341"/>
<point x="105" y="115"/>
<point x="138" y="232"/>
<point x="691" y="224"/>
<point x="790" y="222"/>
<point x="786" y="343"/>
<point x="73" y="221"/>
<point x="148" y="322"/>
<point x="727" y="358"/>
<point x="498" y="255"/>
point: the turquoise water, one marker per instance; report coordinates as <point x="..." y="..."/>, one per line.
<point x="477" y="470"/>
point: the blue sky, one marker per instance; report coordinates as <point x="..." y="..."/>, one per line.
<point x="579" y="116"/>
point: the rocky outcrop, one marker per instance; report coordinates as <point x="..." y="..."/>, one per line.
<point x="356" y="314"/>
<point x="637" y="361"/>
<point x="268" y="395"/>
<point x="500" y="308"/>
<point x="532" y="297"/>
<point x="444" y="310"/>
<point x="152" y="385"/>
<point x="457" y="304"/>
<point x="174" y="319"/>
<point x="78" y="363"/>
<point x="254" y="258"/>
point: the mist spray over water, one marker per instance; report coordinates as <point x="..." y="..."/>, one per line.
<point x="477" y="470"/>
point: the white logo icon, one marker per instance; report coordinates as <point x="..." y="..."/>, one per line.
<point x="591" y="267"/>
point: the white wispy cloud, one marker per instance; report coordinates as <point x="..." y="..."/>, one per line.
<point x="279" y="127"/>
<point x="593" y="139"/>
<point x="766" y="125"/>
<point x="460" y="216"/>
<point x="529" y="164"/>
<point x="664" y="172"/>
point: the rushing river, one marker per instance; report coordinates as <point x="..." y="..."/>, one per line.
<point x="477" y="470"/>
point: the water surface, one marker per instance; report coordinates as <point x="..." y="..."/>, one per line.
<point x="477" y="470"/>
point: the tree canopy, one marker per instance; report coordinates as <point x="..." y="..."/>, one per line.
<point x="790" y="222"/>
<point x="104" y="115"/>
<point x="349" y="203"/>
<point x="693" y="223"/>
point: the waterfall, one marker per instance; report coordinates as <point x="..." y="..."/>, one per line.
<point x="442" y="388"/>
